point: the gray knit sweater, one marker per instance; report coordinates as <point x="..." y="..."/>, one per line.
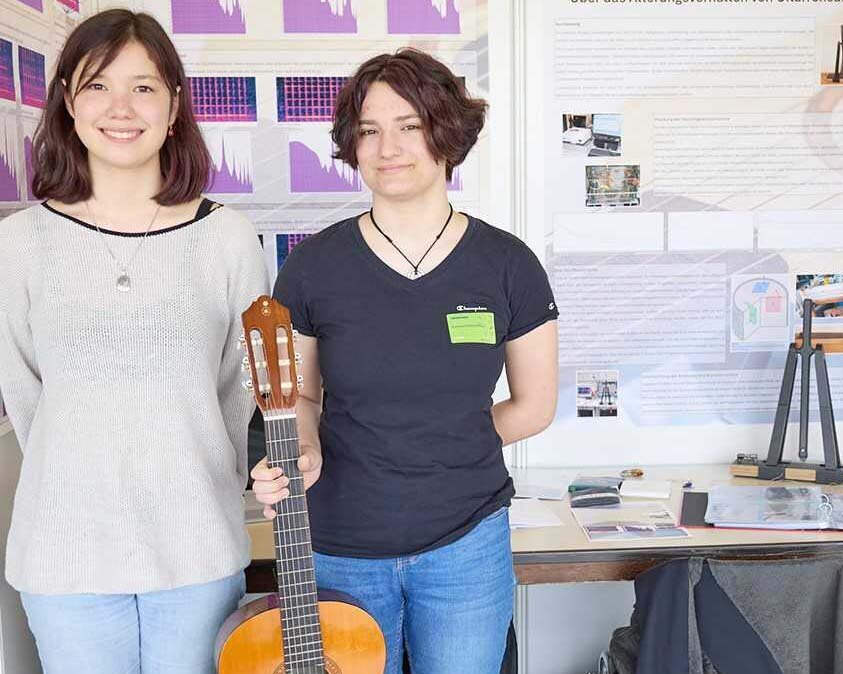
<point x="128" y="406"/>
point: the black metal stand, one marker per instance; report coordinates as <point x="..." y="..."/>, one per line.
<point x="837" y="60"/>
<point x="824" y="473"/>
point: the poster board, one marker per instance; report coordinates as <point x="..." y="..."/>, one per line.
<point x="685" y="168"/>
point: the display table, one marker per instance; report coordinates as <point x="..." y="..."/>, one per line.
<point x="563" y="554"/>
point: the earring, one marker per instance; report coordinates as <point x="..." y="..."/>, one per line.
<point x="170" y="131"/>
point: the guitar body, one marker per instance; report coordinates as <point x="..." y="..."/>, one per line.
<point x="250" y="641"/>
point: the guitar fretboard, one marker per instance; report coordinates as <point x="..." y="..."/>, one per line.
<point x="302" y="635"/>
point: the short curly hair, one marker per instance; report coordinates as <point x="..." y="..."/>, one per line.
<point x="451" y="119"/>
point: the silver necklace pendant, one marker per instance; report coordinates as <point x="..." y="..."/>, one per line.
<point x="124" y="283"/>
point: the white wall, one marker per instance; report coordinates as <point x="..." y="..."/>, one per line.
<point x="17" y="647"/>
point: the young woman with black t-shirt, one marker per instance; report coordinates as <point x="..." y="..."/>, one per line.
<point x="408" y="314"/>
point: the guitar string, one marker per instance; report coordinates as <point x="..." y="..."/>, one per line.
<point x="309" y="640"/>
<point x="303" y="576"/>
<point x="300" y="608"/>
<point x="293" y="573"/>
<point x="290" y="618"/>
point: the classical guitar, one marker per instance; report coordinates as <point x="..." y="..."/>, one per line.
<point x="298" y="630"/>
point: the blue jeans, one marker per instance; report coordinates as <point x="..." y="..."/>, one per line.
<point x="451" y="606"/>
<point x="166" y="632"/>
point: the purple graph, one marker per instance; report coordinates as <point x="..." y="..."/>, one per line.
<point x="284" y="244"/>
<point x="307" y="99"/>
<point x="27" y="154"/>
<point x="7" y="71"/>
<point x="455" y="183"/>
<point x="313" y="171"/>
<point x="224" y="99"/>
<point x="208" y="16"/>
<point x="422" y="17"/>
<point x="33" y="82"/>
<point x="35" y="4"/>
<point x="8" y="181"/>
<point x="231" y="153"/>
<point x="9" y="158"/>
<point x="320" y="16"/>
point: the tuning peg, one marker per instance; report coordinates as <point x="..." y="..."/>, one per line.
<point x="299" y="379"/>
<point x="241" y="342"/>
<point x="298" y="358"/>
<point x="248" y="385"/>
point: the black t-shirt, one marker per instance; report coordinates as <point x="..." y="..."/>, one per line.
<point x="411" y="459"/>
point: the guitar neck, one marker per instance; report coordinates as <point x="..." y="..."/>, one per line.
<point x="297" y="598"/>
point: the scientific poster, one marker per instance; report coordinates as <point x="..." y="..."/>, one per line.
<point x="685" y="167"/>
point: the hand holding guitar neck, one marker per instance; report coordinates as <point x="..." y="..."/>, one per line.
<point x="271" y="485"/>
<point x="299" y="630"/>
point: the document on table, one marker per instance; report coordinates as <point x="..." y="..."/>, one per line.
<point x="527" y="513"/>
<point x="628" y="521"/>
<point x="544" y="491"/>
<point x="646" y="488"/>
<point x="543" y="486"/>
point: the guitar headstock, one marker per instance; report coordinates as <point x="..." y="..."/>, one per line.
<point x="271" y="357"/>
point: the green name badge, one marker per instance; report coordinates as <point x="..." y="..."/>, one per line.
<point x="472" y="327"/>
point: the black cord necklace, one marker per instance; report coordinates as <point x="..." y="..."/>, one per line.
<point x="401" y="252"/>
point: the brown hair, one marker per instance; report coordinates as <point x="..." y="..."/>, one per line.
<point x="451" y="119"/>
<point x="60" y="160"/>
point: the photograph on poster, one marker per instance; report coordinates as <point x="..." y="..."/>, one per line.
<point x="831" y="54"/>
<point x="760" y="312"/>
<point x="826" y="292"/>
<point x="597" y="393"/>
<point x="616" y="185"/>
<point x="592" y="135"/>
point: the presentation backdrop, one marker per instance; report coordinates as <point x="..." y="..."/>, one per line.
<point x="683" y="177"/>
<point x="685" y="191"/>
<point x="263" y="79"/>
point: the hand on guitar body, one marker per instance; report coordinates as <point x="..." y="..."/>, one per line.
<point x="271" y="485"/>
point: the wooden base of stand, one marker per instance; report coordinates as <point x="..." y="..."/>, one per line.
<point x="803" y="472"/>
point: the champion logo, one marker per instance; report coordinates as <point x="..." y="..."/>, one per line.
<point x="462" y="307"/>
<point x="551" y="306"/>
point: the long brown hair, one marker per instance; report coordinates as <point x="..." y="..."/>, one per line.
<point x="59" y="158"/>
<point x="451" y="119"/>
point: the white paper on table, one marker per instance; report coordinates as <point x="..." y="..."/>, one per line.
<point x="543" y="491"/>
<point x="645" y="488"/>
<point x="530" y="512"/>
